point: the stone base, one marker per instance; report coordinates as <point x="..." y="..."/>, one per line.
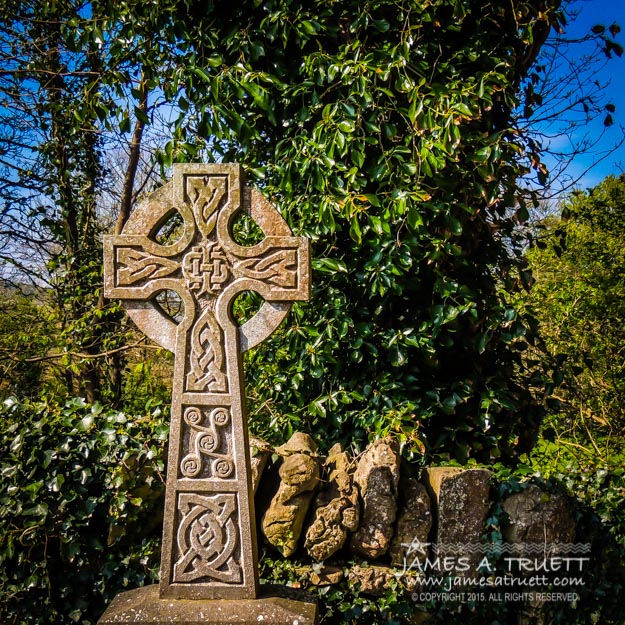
<point x="144" y="605"/>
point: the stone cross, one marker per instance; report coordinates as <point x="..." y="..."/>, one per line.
<point x="209" y="533"/>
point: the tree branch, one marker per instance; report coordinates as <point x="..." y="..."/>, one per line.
<point x="141" y="343"/>
<point x="133" y="160"/>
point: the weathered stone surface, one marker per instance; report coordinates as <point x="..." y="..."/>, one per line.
<point x="336" y="508"/>
<point x="283" y="521"/>
<point x="538" y="517"/>
<point x="414" y="522"/>
<point x="376" y="580"/>
<point x="209" y="531"/>
<point x="371" y="580"/>
<point x="144" y="605"/>
<point x="377" y="477"/>
<point x="320" y="575"/>
<point x="460" y="499"/>
<point x="260" y="452"/>
<point x="541" y="525"/>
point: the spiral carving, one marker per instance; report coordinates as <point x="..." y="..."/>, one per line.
<point x="193" y="416"/>
<point x="220" y="417"/>
<point x="223" y="468"/>
<point x="191" y="465"/>
<point x="206" y="440"/>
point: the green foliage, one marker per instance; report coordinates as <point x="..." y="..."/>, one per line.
<point x="80" y="503"/>
<point x="602" y="488"/>
<point x="579" y="299"/>
<point x="384" y="131"/>
<point x="596" y="498"/>
<point x="341" y="604"/>
<point x="22" y="323"/>
<point x="147" y="382"/>
<point x="80" y="497"/>
<point x="578" y="266"/>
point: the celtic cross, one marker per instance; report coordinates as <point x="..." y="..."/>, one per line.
<point x="209" y="535"/>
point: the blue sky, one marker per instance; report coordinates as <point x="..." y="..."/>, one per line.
<point x="590" y="13"/>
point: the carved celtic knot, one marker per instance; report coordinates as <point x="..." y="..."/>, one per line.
<point x="206" y="440"/>
<point x="207" y="538"/>
<point x="206" y="358"/>
<point x="136" y="264"/>
<point x="278" y="268"/>
<point x="206" y="194"/>
<point x="206" y="268"/>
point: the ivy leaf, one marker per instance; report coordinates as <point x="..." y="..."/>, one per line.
<point x="347" y="125"/>
<point x="354" y="230"/>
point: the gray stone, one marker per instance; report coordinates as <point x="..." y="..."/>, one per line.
<point x="377" y="477"/>
<point x="336" y="508"/>
<point x="461" y="503"/>
<point x="539" y="518"/>
<point x="143" y="605"/>
<point x="209" y="533"/>
<point x="283" y="521"/>
<point x="414" y="522"/>
<point x="541" y="526"/>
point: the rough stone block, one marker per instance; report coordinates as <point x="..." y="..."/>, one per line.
<point x="336" y="508"/>
<point x="538" y="517"/>
<point x="371" y="580"/>
<point x="460" y="498"/>
<point x="414" y="522"/>
<point x="320" y="576"/>
<point x="377" y="477"/>
<point x="283" y="521"/>
<point x="376" y="580"/>
<point x="541" y="526"/>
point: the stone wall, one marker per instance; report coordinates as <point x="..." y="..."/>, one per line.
<point x="385" y="518"/>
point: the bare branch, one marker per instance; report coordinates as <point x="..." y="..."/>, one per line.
<point x="11" y="353"/>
